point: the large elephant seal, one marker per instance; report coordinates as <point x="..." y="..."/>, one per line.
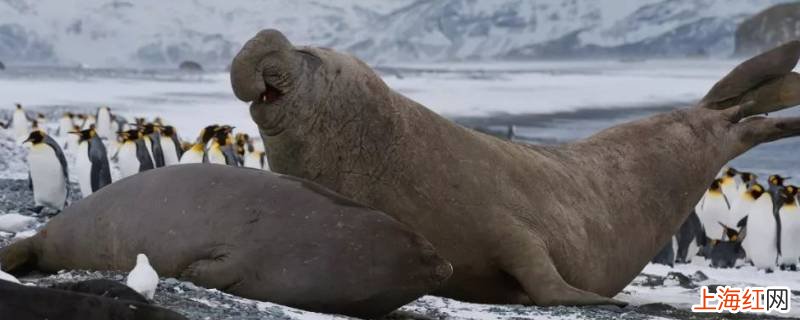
<point x="20" y="302"/>
<point x="569" y="224"/>
<point x="248" y="232"/>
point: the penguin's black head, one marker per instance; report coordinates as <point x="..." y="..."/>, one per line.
<point x="715" y="185"/>
<point x="148" y="128"/>
<point x="222" y="135"/>
<point x="747" y="177"/>
<point x="731" y="172"/>
<point x="19" y="106"/>
<point x="776" y="180"/>
<point x="756" y="190"/>
<point x="732" y="234"/>
<point x="242" y="141"/>
<point x="35" y="124"/>
<point x="69" y="115"/>
<point x="40" y="115"/>
<point x="85" y="135"/>
<point x="130" y="135"/>
<point x="207" y="133"/>
<point x="36" y="137"/>
<point x="788" y="194"/>
<point x="168" y="131"/>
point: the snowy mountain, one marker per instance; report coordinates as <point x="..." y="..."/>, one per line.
<point x="152" y="33"/>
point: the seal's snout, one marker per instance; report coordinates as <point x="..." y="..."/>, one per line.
<point x="260" y="70"/>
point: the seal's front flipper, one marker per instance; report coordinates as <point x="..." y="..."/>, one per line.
<point x="218" y="271"/>
<point x="534" y="270"/>
<point x="766" y="79"/>
<point x="19" y="257"/>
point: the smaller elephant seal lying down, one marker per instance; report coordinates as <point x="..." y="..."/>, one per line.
<point x="247" y="232"/>
<point x="21" y="302"/>
<point x="103" y="288"/>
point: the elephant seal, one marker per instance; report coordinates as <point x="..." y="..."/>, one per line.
<point x="521" y="224"/>
<point x="20" y="302"/>
<point x="244" y="231"/>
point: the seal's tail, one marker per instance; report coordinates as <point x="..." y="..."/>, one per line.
<point x="765" y="83"/>
<point x="18" y="257"/>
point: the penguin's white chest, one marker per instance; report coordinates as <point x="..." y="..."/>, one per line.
<point x="215" y="155"/>
<point x="739" y="209"/>
<point x="47" y="176"/>
<point x="64" y="126"/>
<point x="169" y="151"/>
<point x="149" y="144"/>
<point x="730" y="188"/>
<point x="193" y="155"/>
<point x="20" y="125"/>
<point x="128" y="162"/>
<point x="713" y="212"/>
<point x="252" y="160"/>
<point x="103" y="125"/>
<point x="761" y="242"/>
<point x="790" y="234"/>
<point x="83" y="168"/>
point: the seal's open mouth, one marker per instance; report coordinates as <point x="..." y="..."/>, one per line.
<point x="270" y="94"/>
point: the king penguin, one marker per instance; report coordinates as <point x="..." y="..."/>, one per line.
<point x="91" y="162"/>
<point x="197" y="153"/>
<point x="242" y="142"/>
<point x="152" y="140"/>
<point x="132" y="154"/>
<point x="19" y="123"/>
<point x="170" y="145"/>
<point x="48" y="172"/>
<point x="255" y="158"/>
<point x="761" y="240"/>
<point x="730" y="183"/>
<point x="790" y="228"/>
<point x="103" y="125"/>
<point x="221" y="149"/>
<point x="714" y="208"/>
<point x="65" y="125"/>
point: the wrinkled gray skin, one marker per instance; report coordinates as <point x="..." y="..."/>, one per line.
<point x="570" y="224"/>
<point x="244" y="231"/>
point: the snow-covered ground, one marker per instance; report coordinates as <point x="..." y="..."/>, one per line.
<point x="562" y="101"/>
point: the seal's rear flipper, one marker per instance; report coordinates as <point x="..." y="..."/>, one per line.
<point x="18" y="257"/>
<point x="766" y="79"/>
<point x="536" y="273"/>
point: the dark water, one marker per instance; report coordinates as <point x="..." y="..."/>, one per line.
<point x="779" y="157"/>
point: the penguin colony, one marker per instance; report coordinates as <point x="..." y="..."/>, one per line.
<point x="103" y="141"/>
<point x="739" y="219"/>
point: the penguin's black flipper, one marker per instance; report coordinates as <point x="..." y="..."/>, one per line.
<point x="231" y="158"/>
<point x="101" y="171"/>
<point x="158" y="154"/>
<point x="742" y="223"/>
<point x="61" y="159"/>
<point x="30" y="181"/>
<point x="778" y="229"/>
<point x="145" y="162"/>
<point x="177" y="142"/>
